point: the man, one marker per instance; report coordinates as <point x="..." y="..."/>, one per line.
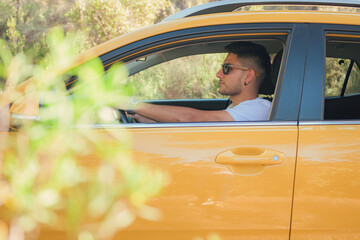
<point x="244" y="69"/>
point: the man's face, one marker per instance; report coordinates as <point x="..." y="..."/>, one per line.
<point x="232" y="83"/>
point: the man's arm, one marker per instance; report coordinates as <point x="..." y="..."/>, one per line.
<point x="141" y="119"/>
<point x="164" y="113"/>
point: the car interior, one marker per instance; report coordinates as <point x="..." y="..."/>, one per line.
<point x="273" y="46"/>
<point x="343" y="106"/>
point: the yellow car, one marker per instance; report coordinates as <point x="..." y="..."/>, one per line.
<point x="294" y="176"/>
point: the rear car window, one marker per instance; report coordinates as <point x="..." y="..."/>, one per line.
<point x="342" y="85"/>
<point x="337" y="71"/>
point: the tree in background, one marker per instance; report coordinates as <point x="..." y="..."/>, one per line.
<point x="102" y="20"/>
<point x="24" y="23"/>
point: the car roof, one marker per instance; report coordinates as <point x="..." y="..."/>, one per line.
<point x="231" y="5"/>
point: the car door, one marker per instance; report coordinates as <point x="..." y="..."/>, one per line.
<point x="228" y="179"/>
<point x="232" y="179"/>
<point x="326" y="195"/>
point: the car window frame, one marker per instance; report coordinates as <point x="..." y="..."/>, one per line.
<point x="285" y="105"/>
<point x="313" y="93"/>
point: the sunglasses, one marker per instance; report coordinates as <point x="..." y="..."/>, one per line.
<point x="226" y="67"/>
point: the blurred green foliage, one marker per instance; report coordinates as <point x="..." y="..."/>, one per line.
<point x="76" y="180"/>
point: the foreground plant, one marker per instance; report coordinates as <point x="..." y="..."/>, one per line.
<point x="53" y="175"/>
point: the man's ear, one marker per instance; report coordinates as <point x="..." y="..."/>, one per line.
<point x="250" y="76"/>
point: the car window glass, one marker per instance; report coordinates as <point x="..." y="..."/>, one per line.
<point x="353" y="86"/>
<point x="336" y="69"/>
<point x="336" y="73"/>
<point x="297" y="7"/>
<point x="186" y="75"/>
<point x="342" y="84"/>
<point x="190" y="77"/>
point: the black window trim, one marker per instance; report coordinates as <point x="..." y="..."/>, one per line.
<point x="149" y="45"/>
<point x="291" y="76"/>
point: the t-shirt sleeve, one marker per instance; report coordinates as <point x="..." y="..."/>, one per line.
<point x="251" y="111"/>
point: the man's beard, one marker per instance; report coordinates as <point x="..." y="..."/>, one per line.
<point x="230" y="92"/>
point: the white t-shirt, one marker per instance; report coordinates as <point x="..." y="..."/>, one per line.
<point x="251" y="110"/>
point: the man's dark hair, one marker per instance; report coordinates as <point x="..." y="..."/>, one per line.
<point x="255" y="55"/>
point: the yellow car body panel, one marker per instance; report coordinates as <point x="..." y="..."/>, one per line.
<point x="327" y="196"/>
<point x="205" y="197"/>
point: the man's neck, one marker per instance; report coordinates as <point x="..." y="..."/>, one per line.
<point x="242" y="98"/>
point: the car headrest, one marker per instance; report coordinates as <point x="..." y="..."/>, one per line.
<point x="269" y="83"/>
<point x="275" y="67"/>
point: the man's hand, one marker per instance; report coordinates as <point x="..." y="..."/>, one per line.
<point x="150" y="113"/>
<point x="142" y="119"/>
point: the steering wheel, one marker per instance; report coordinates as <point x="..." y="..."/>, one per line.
<point x="123" y="116"/>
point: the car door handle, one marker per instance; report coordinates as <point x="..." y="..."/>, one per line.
<point x="250" y="156"/>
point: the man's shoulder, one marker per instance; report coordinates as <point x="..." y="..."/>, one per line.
<point x="251" y="110"/>
<point x="256" y="101"/>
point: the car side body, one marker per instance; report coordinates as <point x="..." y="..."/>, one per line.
<point x="295" y="176"/>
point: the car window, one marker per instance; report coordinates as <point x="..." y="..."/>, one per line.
<point x="342" y="85"/>
<point x="189" y="72"/>
<point x="337" y="70"/>
<point x="186" y="75"/>
<point x="189" y="77"/>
